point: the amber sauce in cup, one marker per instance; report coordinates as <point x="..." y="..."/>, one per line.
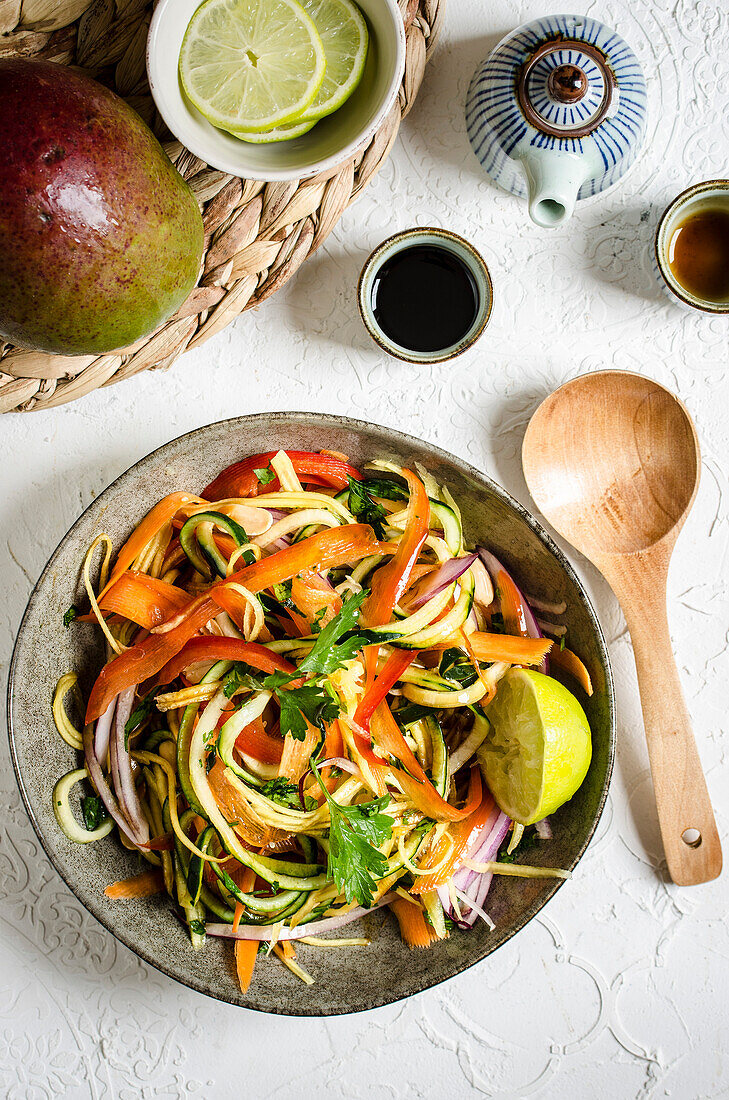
<point x="698" y="253"/>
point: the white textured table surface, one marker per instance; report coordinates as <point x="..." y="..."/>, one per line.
<point x="620" y="988"/>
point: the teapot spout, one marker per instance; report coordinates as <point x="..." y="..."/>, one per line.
<point x="553" y="180"/>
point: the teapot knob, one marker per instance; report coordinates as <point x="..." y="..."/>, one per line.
<point x="567" y="84"/>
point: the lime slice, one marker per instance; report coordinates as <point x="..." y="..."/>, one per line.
<point x="251" y="64"/>
<point x="539" y="747"/>
<point x="280" y="133"/>
<point x="343" y="31"/>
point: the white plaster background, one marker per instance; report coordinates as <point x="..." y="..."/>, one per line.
<point x="621" y="987"/>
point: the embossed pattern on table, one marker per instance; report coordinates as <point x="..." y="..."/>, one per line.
<point x="620" y="988"/>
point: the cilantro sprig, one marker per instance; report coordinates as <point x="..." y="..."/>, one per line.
<point x="265" y="475"/>
<point x="355" y="834"/>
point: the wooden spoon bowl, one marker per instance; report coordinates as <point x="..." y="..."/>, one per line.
<point x="612" y="460"/>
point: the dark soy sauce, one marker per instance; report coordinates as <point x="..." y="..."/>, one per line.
<point x="424" y="298"/>
<point x="698" y="254"/>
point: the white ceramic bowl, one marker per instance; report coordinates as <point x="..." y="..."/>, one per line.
<point x="331" y="142"/>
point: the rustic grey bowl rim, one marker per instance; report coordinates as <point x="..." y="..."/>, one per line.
<point x="463" y="467"/>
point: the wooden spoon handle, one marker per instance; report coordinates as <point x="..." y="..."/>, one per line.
<point x="688" y="828"/>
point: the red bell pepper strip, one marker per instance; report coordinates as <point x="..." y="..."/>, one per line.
<point x="144" y="600"/>
<point x="415" y="782"/>
<point x="240" y="479"/>
<point x="152" y="523"/>
<point x="377" y="692"/>
<point x="325" y="550"/>
<point x="212" y="648"/>
<point x="391" y="579"/>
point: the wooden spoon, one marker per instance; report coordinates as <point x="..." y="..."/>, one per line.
<point x="612" y="460"/>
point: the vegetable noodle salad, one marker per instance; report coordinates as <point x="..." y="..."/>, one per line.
<point x="289" y="725"/>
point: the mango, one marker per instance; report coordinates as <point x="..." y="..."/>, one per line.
<point x="100" y="236"/>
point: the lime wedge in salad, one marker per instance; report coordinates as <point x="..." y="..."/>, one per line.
<point x="251" y="64"/>
<point x="539" y="747"/>
<point x="343" y="31"/>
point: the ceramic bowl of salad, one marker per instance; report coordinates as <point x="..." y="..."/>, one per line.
<point x="275" y="89"/>
<point x="277" y="723"/>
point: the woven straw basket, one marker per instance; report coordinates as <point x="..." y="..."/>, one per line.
<point x="256" y="234"/>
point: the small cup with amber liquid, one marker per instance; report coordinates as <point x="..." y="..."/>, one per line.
<point x="692" y="247"/>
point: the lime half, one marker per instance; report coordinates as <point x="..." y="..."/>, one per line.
<point x="343" y="31"/>
<point x="539" y="747"/>
<point x="280" y="133"/>
<point x="251" y="64"/>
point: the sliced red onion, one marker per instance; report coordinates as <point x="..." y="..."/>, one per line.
<point x="544" y="829"/>
<point x="495" y="567"/>
<point x="103" y="789"/>
<point x="103" y="731"/>
<point x="266" y="932"/>
<point x="440" y="578"/>
<point x="475" y="909"/>
<point x="474" y="884"/>
<point x="121" y="768"/>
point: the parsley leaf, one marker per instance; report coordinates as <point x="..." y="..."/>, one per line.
<point x="70" y="615"/>
<point x="242" y="675"/>
<point x="92" y="811"/>
<point x="265" y="476"/>
<point x="327" y="656"/>
<point x="365" y="509"/>
<point x="308" y="702"/>
<point x="286" y="793"/>
<point x="354" y="862"/>
<point x="455" y="665"/>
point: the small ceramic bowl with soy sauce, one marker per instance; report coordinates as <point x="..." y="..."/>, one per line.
<point x="692" y="247"/>
<point x="425" y="295"/>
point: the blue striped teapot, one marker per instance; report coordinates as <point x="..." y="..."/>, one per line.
<point x="557" y="112"/>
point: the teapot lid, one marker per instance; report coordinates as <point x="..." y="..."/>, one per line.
<point x="566" y="88"/>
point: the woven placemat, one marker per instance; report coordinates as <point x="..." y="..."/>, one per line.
<point x="256" y="234"/>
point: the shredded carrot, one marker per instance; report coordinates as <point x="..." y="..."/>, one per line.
<point x="245" y="960"/>
<point x="511" y="648"/>
<point x="296" y="754"/>
<point x="237" y="916"/>
<point x="288" y="949"/>
<point x="414" y="928"/>
<point x="315" y="599"/>
<point x="152" y="523"/>
<point x="570" y="663"/>
<point x="452" y="844"/>
<point x="138" y="886"/>
<point x="145" y="600"/>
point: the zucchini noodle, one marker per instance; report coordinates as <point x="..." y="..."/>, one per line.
<point x="308" y="755"/>
<point x="67" y="685"/>
<point x="113" y="643"/>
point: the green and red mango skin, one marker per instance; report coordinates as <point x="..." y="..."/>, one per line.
<point x="100" y="237"/>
